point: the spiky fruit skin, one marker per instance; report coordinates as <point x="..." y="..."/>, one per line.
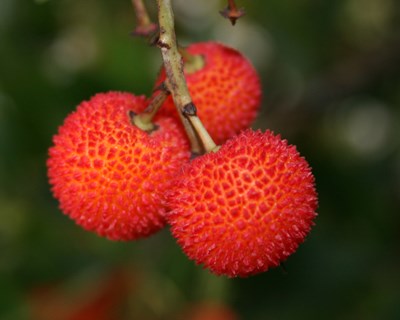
<point x="245" y="208"/>
<point x="226" y="90"/>
<point x="108" y="175"/>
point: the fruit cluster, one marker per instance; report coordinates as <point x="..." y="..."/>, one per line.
<point x="239" y="210"/>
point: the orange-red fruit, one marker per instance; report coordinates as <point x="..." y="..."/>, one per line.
<point x="245" y="208"/>
<point x="226" y="90"/>
<point x="208" y="311"/>
<point x="108" y="175"/>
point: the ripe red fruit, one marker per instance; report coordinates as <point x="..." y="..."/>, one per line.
<point x="108" y="175"/>
<point x="208" y="311"/>
<point x="245" y="208"/>
<point x="226" y="90"/>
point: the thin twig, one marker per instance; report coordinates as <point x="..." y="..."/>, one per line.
<point x="144" y="25"/>
<point x="199" y="138"/>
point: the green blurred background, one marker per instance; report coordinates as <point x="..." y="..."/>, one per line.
<point x="331" y="78"/>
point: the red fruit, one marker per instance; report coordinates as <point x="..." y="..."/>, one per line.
<point x="245" y="208"/>
<point x="90" y="298"/>
<point x="108" y="175"/>
<point x="226" y="90"/>
<point x="209" y="311"/>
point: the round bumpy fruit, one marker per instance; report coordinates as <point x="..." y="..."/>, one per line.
<point x="225" y="89"/>
<point x="108" y="175"/>
<point x="246" y="207"/>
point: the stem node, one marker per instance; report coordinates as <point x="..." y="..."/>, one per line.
<point x="144" y="28"/>
<point x="232" y="12"/>
<point x="199" y="138"/>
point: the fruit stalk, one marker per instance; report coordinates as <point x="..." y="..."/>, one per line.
<point x="144" y="25"/>
<point x="199" y="138"/>
<point x="144" y="120"/>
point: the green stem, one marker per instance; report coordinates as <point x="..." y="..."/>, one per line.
<point x="208" y="142"/>
<point x="199" y="138"/>
<point x="144" y="119"/>
<point x="192" y="62"/>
